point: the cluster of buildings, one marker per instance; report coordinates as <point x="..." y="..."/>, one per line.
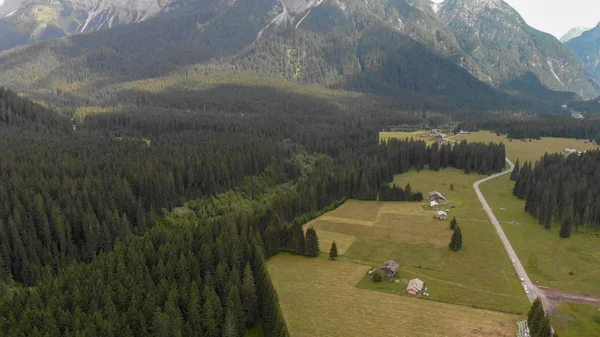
<point x="415" y="286"/>
<point x="568" y="151"/>
<point x="435" y="199"/>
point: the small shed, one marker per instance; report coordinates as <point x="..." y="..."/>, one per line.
<point x="390" y="268"/>
<point x="441" y="215"/>
<point x="415" y="287"/>
<point x="433" y="204"/>
<point x="437" y="197"/>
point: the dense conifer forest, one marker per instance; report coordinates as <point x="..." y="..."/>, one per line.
<point x="88" y="244"/>
<point x="562" y="191"/>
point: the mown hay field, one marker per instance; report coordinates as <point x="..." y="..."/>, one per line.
<point x="319" y="297"/>
<point x="526" y="150"/>
<point x="481" y="274"/>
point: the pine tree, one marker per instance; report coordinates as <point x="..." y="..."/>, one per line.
<point x="545" y="329"/>
<point x="536" y="317"/>
<point x="249" y="297"/>
<point x="297" y="238"/>
<point x="515" y="172"/>
<point x="537" y="303"/>
<point x="565" y="229"/>
<point x="456" y="241"/>
<point x="453" y="223"/>
<point x="333" y="253"/>
<point x="312" y="243"/>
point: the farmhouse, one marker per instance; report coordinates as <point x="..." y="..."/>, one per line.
<point x="415" y="287"/>
<point x="390" y="268"/>
<point x="441" y="215"/>
<point x="464" y="132"/>
<point x="437" y="197"/>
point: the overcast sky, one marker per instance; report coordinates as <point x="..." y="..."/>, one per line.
<point x="557" y="16"/>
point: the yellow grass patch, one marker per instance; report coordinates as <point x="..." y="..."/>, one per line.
<point x="529" y="151"/>
<point x="422" y="135"/>
<point x="319" y="298"/>
<point x="361" y="210"/>
<point x="347" y="221"/>
<point x="342" y="241"/>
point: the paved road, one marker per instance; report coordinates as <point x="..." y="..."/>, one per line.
<point x="534" y="292"/>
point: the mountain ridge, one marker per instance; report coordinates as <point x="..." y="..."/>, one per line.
<point x="348" y="44"/>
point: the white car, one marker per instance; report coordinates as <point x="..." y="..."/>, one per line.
<point x="527" y="291"/>
<point x="522" y="279"/>
<point x="513" y="260"/>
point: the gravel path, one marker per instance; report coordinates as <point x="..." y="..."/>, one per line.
<point x="534" y="292"/>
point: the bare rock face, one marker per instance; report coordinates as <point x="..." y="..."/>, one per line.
<point x="586" y="48"/>
<point x="505" y="47"/>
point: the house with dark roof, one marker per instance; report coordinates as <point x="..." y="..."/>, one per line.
<point x="390" y="268"/>
<point x="437" y="197"/>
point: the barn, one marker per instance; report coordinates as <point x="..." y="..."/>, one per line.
<point x="390" y="268"/>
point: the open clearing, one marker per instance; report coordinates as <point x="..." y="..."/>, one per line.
<point x="525" y="150"/>
<point x="576" y="320"/>
<point x="481" y="274"/>
<point x="548" y="259"/>
<point x="421" y="135"/>
<point x="319" y="298"/>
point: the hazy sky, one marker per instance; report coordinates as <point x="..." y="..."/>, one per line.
<point x="557" y="16"/>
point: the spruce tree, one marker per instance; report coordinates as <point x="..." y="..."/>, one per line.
<point x="566" y="227"/>
<point x="456" y="241"/>
<point x="312" y="243"/>
<point x="534" y="322"/>
<point x="537" y="303"/>
<point x="453" y="223"/>
<point x="249" y="297"/>
<point x="515" y="172"/>
<point x="333" y="253"/>
<point x="297" y="239"/>
<point x="545" y="329"/>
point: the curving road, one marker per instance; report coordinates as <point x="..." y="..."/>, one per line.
<point x="534" y="292"/>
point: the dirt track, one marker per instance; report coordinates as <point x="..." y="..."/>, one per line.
<point x="555" y="296"/>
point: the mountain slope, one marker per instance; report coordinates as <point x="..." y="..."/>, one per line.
<point x="587" y="49"/>
<point x="573" y="33"/>
<point x="28" y="21"/>
<point x="385" y="47"/>
<point x="505" y="47"/>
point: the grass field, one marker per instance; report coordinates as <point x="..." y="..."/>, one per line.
<point x="577" y="320"/>
<point x="528" y="151"/>
<point x="373" y="232"/>
<point x="545" y="255"/>
<point x="319" y="298"/>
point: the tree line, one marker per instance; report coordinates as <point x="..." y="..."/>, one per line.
<point x="82" y="208"/>
<point x="562" y="190"/>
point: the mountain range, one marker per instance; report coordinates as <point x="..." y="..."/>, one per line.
<point x="573" y="33"/>
<point x="587" y="49"/>
<point x="473" y="49"/>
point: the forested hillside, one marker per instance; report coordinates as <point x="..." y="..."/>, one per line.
<point x="562" y="191"/>
<point x="390" y="49"/>
<point x="87" y="209"/>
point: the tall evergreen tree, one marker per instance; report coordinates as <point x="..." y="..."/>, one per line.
<point x="456" y="240"/>
<point x="312" y="243"/>
<point x="536" y="317"/>
<point x="249" y="297"/>
<point x="453" y="223"/>
<point x="333" y="253"/>
<point x="545" y="329"/>
<point x="515" y="172"/>
<point x="566" y="228"/>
